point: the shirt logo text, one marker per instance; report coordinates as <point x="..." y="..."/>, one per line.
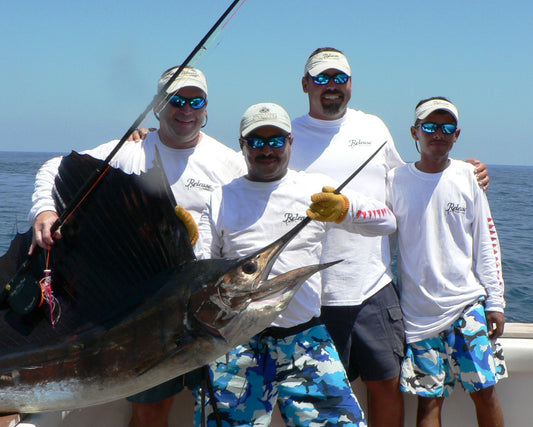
<point x="289" y="218"/>
<point x="355" y="142"/>
<point x="194" y="183"/>
<point x="455" y="208"/>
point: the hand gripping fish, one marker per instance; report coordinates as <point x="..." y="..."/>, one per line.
<point x="137" y="308"/>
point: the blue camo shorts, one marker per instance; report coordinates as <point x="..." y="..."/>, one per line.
<point x="301" y="372"/>
<point x="461" y="353"/>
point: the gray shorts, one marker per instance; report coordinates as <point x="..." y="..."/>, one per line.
<point x="370" y="337"/>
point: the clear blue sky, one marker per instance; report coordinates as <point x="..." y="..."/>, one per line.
<point x="78" y="73"/>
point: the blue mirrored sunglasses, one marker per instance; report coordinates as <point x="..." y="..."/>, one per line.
<point x="446" y="128"/>
<point x="323" y="79"/>
<point x="273" y="141"/>
<point x="179" y="101"/>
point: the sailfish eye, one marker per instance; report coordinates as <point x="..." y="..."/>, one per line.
<point x="250" y="267"/>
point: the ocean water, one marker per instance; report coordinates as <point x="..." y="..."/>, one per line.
<point x="510" y="195"/>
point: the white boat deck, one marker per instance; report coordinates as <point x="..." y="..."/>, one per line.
<point x="515" y="394"/>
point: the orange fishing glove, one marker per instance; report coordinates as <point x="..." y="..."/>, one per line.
<point x="328" y="206"/>
<point x="189" y="222"/>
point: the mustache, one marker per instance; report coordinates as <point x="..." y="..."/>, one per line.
<point x="333" y="91"/>
<point x="266" y="157"/>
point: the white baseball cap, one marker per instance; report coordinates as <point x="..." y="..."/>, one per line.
<point x="265" y="114"/>
<point x="188" y="77"/>
<point x="428" y="107"/>
<point x="324" y="60"/>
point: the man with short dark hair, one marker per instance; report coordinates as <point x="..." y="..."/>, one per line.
<point x="449" y="271"/>
<point x="294" y="362"/>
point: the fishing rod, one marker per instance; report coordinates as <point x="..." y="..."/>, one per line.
<point x="100" y="171"/>
<point x="161" y="95"/>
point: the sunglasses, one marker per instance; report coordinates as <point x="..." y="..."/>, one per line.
<point x="430" y="127"/>
<point x="273" y="141"/>
<point x="179" y="101"/>
<point x="323" y="79"/>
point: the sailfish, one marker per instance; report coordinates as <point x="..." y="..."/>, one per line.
<point x="130" y="306"/>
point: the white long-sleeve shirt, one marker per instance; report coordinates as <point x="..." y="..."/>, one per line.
<point x="337" y="148"/>
<point x="193" y="173"/>
<point x="244" y="216"/>
<point x="449" y="252"/>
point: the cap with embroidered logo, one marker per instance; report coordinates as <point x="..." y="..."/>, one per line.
<point x="265" y="114"/>
<point x="188" y="77"/>
<point x="428" y="107"/>
<point x="324" y="60"/>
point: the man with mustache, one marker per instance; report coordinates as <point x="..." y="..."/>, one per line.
<point x="293" y="362"/>
<point x="360" y="304"/>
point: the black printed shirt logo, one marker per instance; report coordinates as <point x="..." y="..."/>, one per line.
<point x="290" y="218"/>
<point x="453" y="208"/>
<point x="355" y="142"/>
<point x="194" y="184"/>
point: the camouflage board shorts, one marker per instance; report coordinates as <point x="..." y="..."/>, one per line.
<point x="461" y="353"/>
<point x="301" y="372"/>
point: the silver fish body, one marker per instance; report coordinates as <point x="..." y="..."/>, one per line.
<point x="203" y="309"/>
<point x="137" y="308"/>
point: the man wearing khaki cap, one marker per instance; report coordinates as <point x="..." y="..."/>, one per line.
<point x="360" y="303"/>
<point x="294" y="361"/>
<point x="195" y="164"/>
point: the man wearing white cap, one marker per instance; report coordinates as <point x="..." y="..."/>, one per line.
<point x="293" y="362"/>
<point x="195" y="164"/>
<point x="449" y="272"/>
<point x="360" y="304"/>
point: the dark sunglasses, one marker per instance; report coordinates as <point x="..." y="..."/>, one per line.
<point x="430" y="127"/>
<point x="179" y="101"/>
<point x="323" y="79"/>
<point x="273" y="141"/>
